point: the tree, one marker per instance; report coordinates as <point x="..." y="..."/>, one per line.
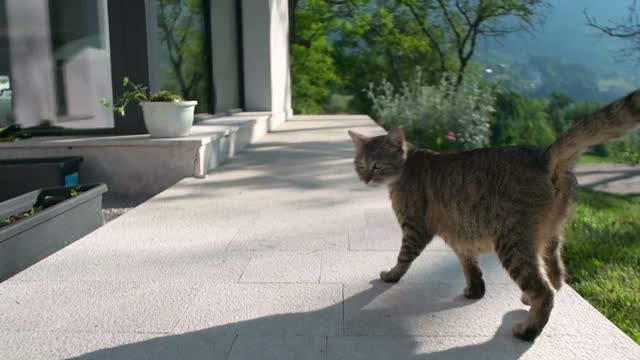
<point x="381" y="42"/>
<point x="627" y="29"/>
<point x="520" y="121"/>
<point x="310" y="20"/>
<point x="463" y="22"/>
<point x="181" y="32"/>
<point x="557" y="108"/>
<point x="312" y="64"/>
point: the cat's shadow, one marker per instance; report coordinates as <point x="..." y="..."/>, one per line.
<point x="501" y="346"/>
<point x="202" y="343"/>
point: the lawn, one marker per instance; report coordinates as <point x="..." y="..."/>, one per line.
<point x="594" y="159"/>
<point x="602" y="254"/>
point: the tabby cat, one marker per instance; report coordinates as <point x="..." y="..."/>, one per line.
<point x="511" y="200"/>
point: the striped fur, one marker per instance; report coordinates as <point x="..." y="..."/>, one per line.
<point x="512" y="200"/>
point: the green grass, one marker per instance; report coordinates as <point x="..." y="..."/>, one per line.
<point x="602" y="255"/>
<point x="594" y="159"/>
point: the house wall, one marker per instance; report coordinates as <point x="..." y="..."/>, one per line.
<point x="130" y="31"/>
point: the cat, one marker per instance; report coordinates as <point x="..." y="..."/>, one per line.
<point x="512" y="200"/>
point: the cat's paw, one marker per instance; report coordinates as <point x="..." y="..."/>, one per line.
<point x="389" y="276"/>
<point x="525" y="299"/>
<point x="524" y="332"/>
<point x="475" y="291"/>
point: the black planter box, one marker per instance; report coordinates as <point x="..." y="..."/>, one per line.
<point x="19" y="176"/>
<point x="63" y="220"/>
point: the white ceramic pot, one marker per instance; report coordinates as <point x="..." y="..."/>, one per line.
<point x="168" y="119"/>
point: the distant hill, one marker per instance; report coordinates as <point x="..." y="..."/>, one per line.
<point x="564" y="46"/>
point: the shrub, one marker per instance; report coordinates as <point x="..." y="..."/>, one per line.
<point x="520" y="121"/>
<point x="439" y="118"/>
<point x="627" y="149"/>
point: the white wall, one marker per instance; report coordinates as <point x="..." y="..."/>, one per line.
<point x="280" y="64"/>
<point x="266" y="58"/>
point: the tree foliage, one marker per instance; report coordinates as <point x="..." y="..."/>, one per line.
<point x="372" y="39"/>
<point x="181" y="33"/>
<point x="520" y="121"/>
<point x="626" y="29"/>
<point x="341" y="47"/>
<point x="381" y="42"/>
<point x="461" y="23"/>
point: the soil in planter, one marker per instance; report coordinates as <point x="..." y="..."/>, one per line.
<point x="23" y="215"/>
<point x="45" y="200"/>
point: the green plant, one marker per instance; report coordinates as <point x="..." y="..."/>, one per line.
<point x="137" y="92"/>
<point x="22" y="215"/>
<point x="631" y="157"/>
<point x="164" y="96"/>
<point x="520" y="121"/>
<point x="440" y="118"/>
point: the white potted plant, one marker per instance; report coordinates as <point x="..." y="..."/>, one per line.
<point x="165" y="113"/>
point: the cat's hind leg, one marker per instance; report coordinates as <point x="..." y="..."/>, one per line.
<point x="520" y="256"/>
<point x="414" y="240"/>
<point x="553" y="261"/>
<point x="473" y="275"/>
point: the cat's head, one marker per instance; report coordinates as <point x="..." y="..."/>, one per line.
<point x="379" y="160"/>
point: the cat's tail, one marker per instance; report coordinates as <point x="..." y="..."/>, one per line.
<point x="608" y="123"/>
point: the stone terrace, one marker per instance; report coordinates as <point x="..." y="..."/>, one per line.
<point x="276" y="256"/>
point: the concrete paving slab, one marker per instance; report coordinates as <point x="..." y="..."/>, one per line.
<point x="385" y="237"/>
<point x="430" y="266"/>
<point x="193" y="264"/>
<point x="482" y="348"/>
<point x="615" y="178"/>
<point x="309" y="233"/>
<point x="439" y="309"/>
<point x="111" y="346"/>
<point x="266" y="309"/>
<point x="283" y="267"/>
<point x="279" y="348"/>
<point x="93" y="306"/>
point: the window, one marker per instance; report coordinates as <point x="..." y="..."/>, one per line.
<point x="182" y="50"/>
<point x="54" y="56"/>
<point x="82" y="65"/>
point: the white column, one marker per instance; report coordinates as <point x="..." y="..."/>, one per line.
<point x="267" y="74"/>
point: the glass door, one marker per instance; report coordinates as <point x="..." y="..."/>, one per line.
<point x="54" y="55"/>
<point x="82" y="65"/>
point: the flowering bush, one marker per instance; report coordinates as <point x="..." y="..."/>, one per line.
<point x="439" y="118"/>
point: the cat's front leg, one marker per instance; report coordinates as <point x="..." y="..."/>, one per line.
<point x="414" y="240"/>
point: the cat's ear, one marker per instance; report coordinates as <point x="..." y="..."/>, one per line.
<point x="358" y="140"/>
<point x="396" y="137"/>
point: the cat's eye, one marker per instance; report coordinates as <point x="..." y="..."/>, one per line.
<point x="377" y="166"/>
